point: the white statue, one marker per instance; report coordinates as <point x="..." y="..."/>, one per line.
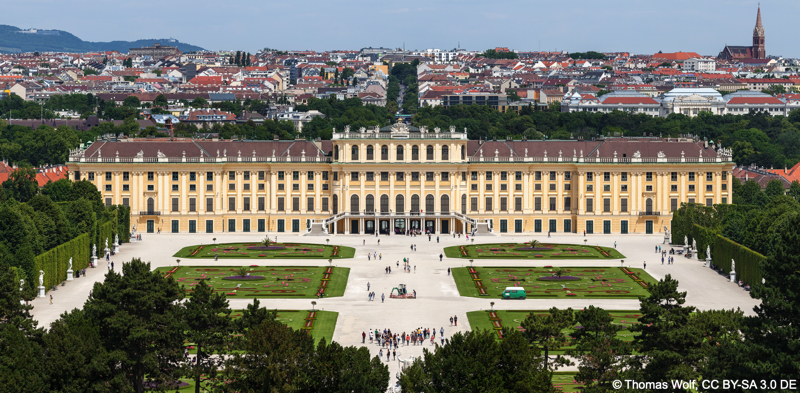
<point x="116" y="239"/>
<point x="685" y="240"/>
<point x="661" y="154"/>
<point x="94" y="246"/>
<point x="452" y="129"/>
<point x="106" y="243"/>
<point x="701" y="154"/>
<point x="224" y="152"/>
<point x="694" y="244"/>
<point x="733" y="266"/>
<point x="526" y="152"/>
<point x="140" y="154"/>
<point x="21" y="284"/>
<point x="161" y="155"/>
<point x="708" y="252"/>
<point x="41" y="278"/>
<point x="559" y="154"/>
<point x="70" y="264"/>
<point x="496" y="153"/>
<point x="637" y="154"/>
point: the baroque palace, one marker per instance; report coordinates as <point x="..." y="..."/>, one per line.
<point x="401" y="178"/>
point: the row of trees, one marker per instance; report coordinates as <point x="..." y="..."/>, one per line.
<point x="130" y="336"/>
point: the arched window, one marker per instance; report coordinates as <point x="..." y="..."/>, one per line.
<point x="336" y="153"/>
<point x="384" y="153"/>
<point x="414" y="153"/>
<point x="445" y="204"/>
<point x="370" y="153"/>
<point x="429" y="155"/>
<point x="399" y="203"/>
<point x="463" y="153"/>
<point x="354" y="204"/>
<point x="445" y="153"/>
<point x="370" y="203"/>
<point x="384" y="203"/>
<point x="151" y="205"/>
<point x="648" y="205"/>
<point x="354" y="153"/>
<point x="415" y="203"/>
<point x="335" y="204"/>
<point x="399" y="153"/>
<point x="429" y="203"/>
<point x="463" y="202"/>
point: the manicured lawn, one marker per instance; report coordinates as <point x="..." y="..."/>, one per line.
<point x="264" y="281"/>
<point x="488" y="320"/>
<point x="539" y="282"/>
<point x="258" y="251"/>
<point x="523" y="250"/>
<point x="565" y="382"/>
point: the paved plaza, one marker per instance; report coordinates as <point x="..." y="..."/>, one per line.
<point x="438" y="297"/>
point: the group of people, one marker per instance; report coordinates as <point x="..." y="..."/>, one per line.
<point x="390" y="341"/>
<point x="670" y="259"/>
<point x="374" y="255"/>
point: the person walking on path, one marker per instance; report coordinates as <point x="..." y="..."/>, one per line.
<point x="615" y="244"/>
<point x="368" y="257"/>
<point x="363" y="337"/>
<point x="415" y="294"/>
<point x="451" y="321"/>
<point x="437" y="239"/>
<point x="448" y="271"/>
<point x="51" y="299"/>
<point x="440" y="257"/>
<point x="370" y="337"/>
<point x="383" y="296"/>
<point x="584" y="233"/>
<point x="367" y="285"/>
<point x="455" y="320"/>
<point x="645" y="264"/>
<point x="548" y="233"/>
<point x="662" y="260"/>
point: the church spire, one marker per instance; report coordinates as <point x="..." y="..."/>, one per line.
<point x="759" y="29"/>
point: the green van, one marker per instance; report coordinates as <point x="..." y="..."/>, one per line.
<point x="514" y="293"/>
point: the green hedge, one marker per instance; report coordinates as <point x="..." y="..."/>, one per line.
<point x="55" y="262"/>
<point x="704" y="237"/>
<point x="748" y="262"/>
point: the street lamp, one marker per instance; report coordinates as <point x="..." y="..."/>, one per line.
<point x="621" y="263"/>
<point x="328" y="241"/>
<point x="584" y="242"/>
<point x="179" y="262"/>
<point x="330" y="262"/>
<point x="470" y="262"/>
<point x="313" y="304"/>
<point x="215" y="240"/>
<point x="492" y="304"/>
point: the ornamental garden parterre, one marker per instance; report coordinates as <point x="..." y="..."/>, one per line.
<point x="264" y="281"/>
<point x="537" y="251"/>
<point x="259" y="250"/>
<point x="554" y="282"/>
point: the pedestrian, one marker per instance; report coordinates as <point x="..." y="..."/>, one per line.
<point x="437" y="239"/>
<point x="440" y="257"/>
<point x="112" y="265"/>
<point x="380" y="353"/>
<point x="584" y="233"/>
<point x="51" y="299"/>
<point x="615" y="244"/>
<point x="368" y="285"/>
<point x="109" y="266"/>
<point x="656" y="249"/>
<point x="364" y="242"/>
<point x="368" y="257"/>
<point x="448" y="271"/>
<point x="548" y="233"/>
<point x="387" y="355"/>
<point x="441" y="332"/>
<point x="659" y="248"/>
<point x="398" y="264"/>
<point x="645" y="264"/>
<point x="379" y="240"/>
<point x="415" y="294"/>
<point x="415" y="268"/>
<point x="394" y="354"/>
<point x="383" y="297"/>
<point x="363" y="337"/>
<point x="451" y="321"/>
<point x="662" y="260"/>
<point x="380" y="256"/>
<point x="455" y="320"/>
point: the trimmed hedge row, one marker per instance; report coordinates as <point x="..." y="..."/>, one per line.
<point x="704" y="237"/>
<point x="55" y="262"/>
<point x="748" y="262"/>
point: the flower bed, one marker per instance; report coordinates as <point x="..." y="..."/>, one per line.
<point x="196" y="251"/>
<point x="602" y="251"/>
<point x="335" y="252"/>
<point x="533" y="249"/>
<point x="556" y="278"/>
<point x="244" y="278"/>
<point x="463" y="251"/>
<point x="266" y="248"/>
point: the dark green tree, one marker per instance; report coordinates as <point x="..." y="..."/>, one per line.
<point x="547" y="332"/>
<point x="334" y="368"/>
<point x="774" y="188"/>
<point x="132" y="101"/>
<point x="160" y="100"/>
<point x="208" y="327"/>
<point x="600" y="354"/>
<point x="140" y="320"/>
<point x="475" y="360"/>
<point x="21" y="184"/>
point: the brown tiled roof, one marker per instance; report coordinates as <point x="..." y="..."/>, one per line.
<point x="626" y="147"/>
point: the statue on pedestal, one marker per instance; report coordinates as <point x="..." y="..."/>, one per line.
<point x="708" y="252"/>
<point x="694" y="244"/>
<point x="685" y="240"/>
<point x="733" y="266"/>
<point x="116" y="239"/>
<point x="70" y="264"/>
<point x="94" y="249"/>
<point x="41" y="278"/>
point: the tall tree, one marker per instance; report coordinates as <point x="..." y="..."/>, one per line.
<point x="21" y="351"/>
<point x="600" y="353"/>
<point x="665" y="341"/>
<point x="209" y="326"/>
<point x="334" y="368"/>
<point x="547" y="332"/>
<point x="21" y="184"/>
<point x="475" y="360"/>
<point x="140" y="319"/>
<point x="772" y="339"/>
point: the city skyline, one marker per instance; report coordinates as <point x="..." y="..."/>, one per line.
<point x="579" y="27"/>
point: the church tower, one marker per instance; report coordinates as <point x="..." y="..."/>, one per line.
<point x="758" y="38"/>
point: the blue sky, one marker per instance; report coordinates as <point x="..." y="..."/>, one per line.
<point x="637" y="26"/>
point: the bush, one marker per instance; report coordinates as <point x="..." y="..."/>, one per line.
<point x="55" y="262"/>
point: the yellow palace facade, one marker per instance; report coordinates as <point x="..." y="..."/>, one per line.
<point x="402" y="178"/>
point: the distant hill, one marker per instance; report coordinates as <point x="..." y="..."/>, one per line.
<point x="15" y="40"/>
